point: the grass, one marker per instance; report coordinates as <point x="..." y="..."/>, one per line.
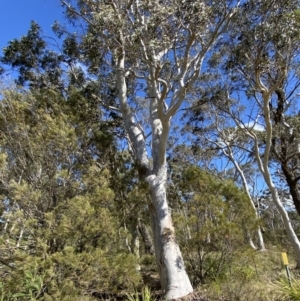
<point x="145" y="295"/>
<point x="288" y="291"/>
<point x="259" y="276"/>
<point x="252" y="276"/>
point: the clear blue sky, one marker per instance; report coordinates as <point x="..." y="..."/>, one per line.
<point x="15" y="17"/>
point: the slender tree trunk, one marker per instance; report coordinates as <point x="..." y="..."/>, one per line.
<point x="261" y="244"/>
<point x="20" y="237"/>
<point x="188" y="230"/>
<point x="286" y="221"/>
<point x="126" y="239"/>
<point x="135" y="243"/>
<point x="7" y="221"/>
<point x="251" y="243"/>
<point x="288" y="225"/>
<point x="263" y="165"/>
<point x="174" y="279"/>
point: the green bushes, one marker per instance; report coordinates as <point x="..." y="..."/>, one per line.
<point x="212" y="219"/>
<point x="59" y="226"/>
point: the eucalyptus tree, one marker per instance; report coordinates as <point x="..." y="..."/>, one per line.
<point x="259" y="81"/>
<point x="154" y="51"/>
<point x="275" y="69"/>
<point x="234" y="149"/>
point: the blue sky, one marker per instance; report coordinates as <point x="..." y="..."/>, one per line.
<point x="16" y="15"/>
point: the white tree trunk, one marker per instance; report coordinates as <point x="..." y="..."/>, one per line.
<point x="263" y="165"/>
<point x="229" y="154"/>
<point x="188" y="230"/>
<point x="286" y="221"/>
<point x="174" y="279"/>
<point x="261" y="244"/>
<point x="251" y="243"/>
<point x="20" y="237"/>
<point x="135" y="243"/>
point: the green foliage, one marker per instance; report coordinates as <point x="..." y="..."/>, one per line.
<point x="145" y="295"/>
<point x="288" y="290"/>
<point x="28" y="286"/>
<point x="35" y="63"/>
<point x="60" y="227"/>
<point x="251" y="277"/>
<point x="70" y="201"/>
<point x="212" y="220"/>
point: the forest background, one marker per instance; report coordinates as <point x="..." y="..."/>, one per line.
<point x="135" y="118"/>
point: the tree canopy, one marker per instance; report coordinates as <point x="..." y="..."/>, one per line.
<point x="151" y="117"/>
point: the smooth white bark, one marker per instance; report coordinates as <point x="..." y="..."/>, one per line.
<point x="251" y="243"/>
<point x="185" y="42"/>
<point x="260" y="239"/>
<point x="287" y="222"/>
<point x="174" y="279"/>
<point x="263" y="164"/>
<point x="261" y="245"/>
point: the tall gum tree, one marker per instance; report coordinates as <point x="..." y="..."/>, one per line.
<point x="159" y="47"/>
<point x="263" y="51"/>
